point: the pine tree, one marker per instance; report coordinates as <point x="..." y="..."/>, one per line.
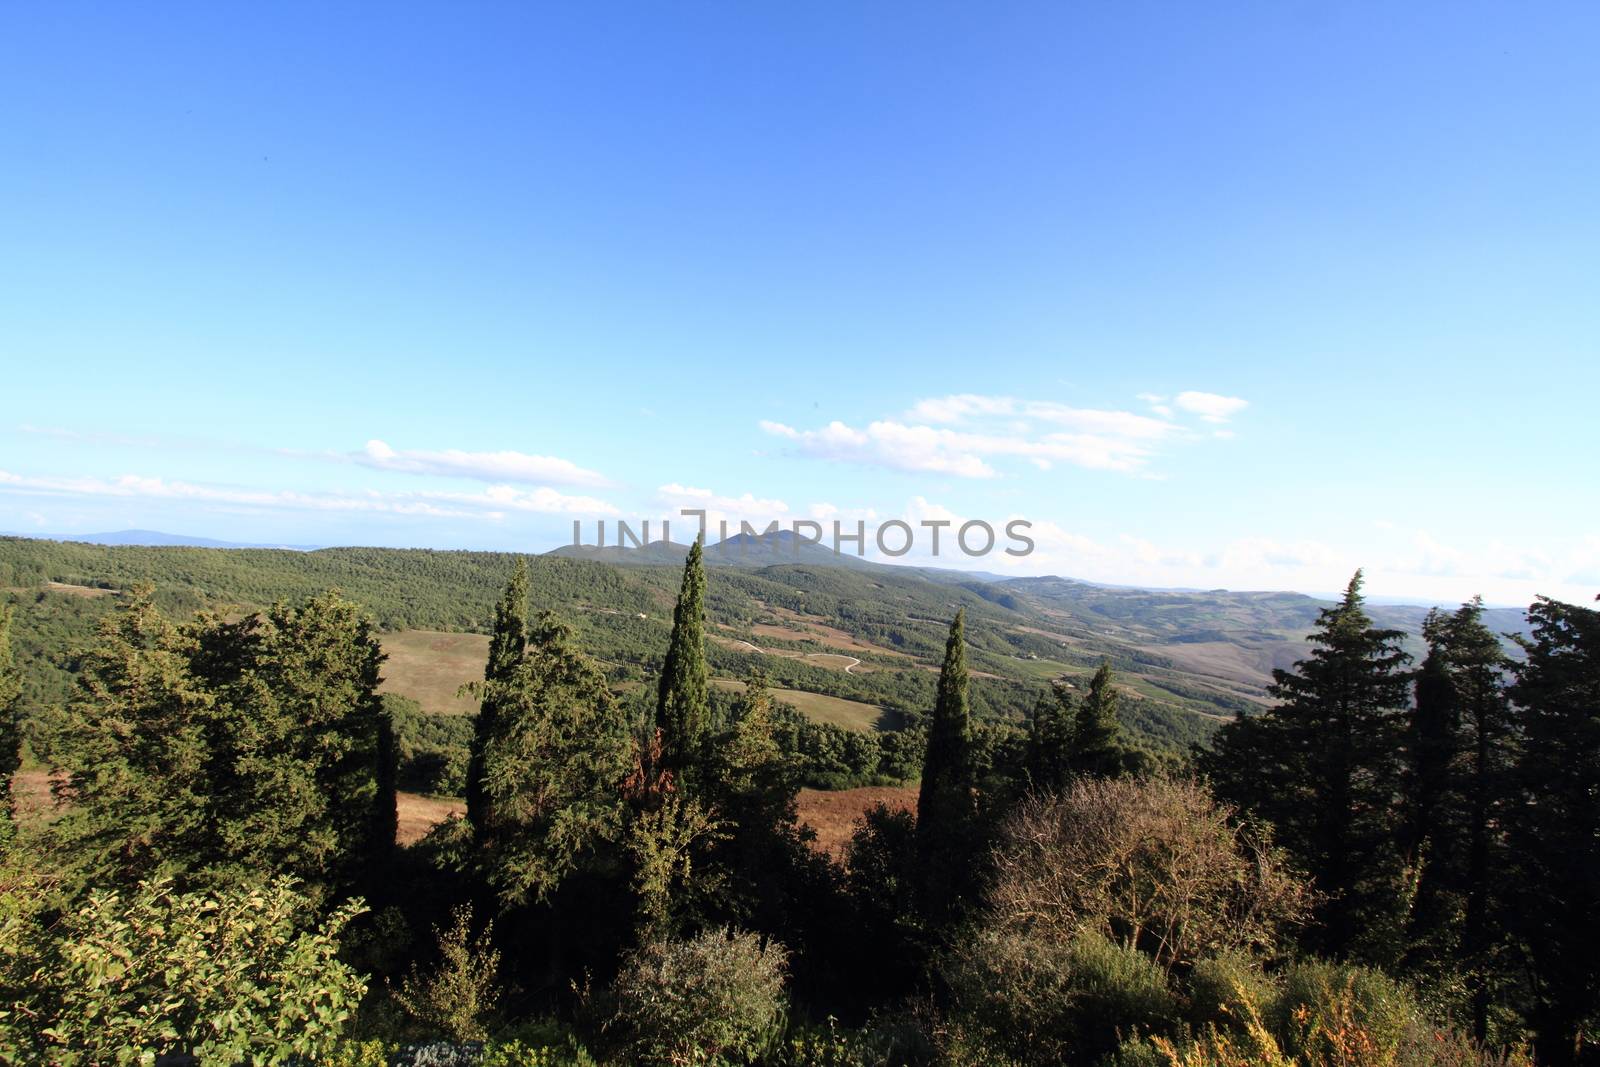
<point x="298" y="764"/>
<point x="945" y="802"/>
<point x="1323" y="766"/>
<point x="552" y="768"/>
<point x="507" y="640"/>
<point x="1048" y="762"/>
<point x="683" y="709"/>
<point x="1097" y="750"/>
<point x="1460" y="745"/>
<point x="10" y="739"/>
<point x="1555" y="827"/>
<point x="761" y="863"/>
<point x="217" y="750"/>
<point x="134" y="743"/>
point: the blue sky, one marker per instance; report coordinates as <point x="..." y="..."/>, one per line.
<point x="1238" y="295"/>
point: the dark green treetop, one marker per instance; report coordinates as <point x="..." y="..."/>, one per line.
<point x="507" y="641"/>
<point x="683" y="709"/>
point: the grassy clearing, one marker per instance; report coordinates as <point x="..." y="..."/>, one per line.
<point x="849" y="714"/>
<point x="834" y="814"/>
<point x="429" y="666"/>
<point x="419" y="814"/>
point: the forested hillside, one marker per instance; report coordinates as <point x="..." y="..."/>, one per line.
<point x="1186" y="659"/>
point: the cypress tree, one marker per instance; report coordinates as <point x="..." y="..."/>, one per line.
<point x="945" y="802"/>
<point x="683" y="708"/>
<point x="385" y="801"/>
<point x="1555" y="826"/>
<point x="1323" y="766"/>
<point x="10" y="741"/>
<point x="1048" y="762"/>
<point x="1097" y="750"/>
<point x="507" y="641"/>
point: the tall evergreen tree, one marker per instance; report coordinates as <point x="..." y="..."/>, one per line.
<point x="507" y="640"/>
<point x="552" y="768"/>
<point x="1097" y="749"/>
<point x="219" y="750"/>
<point x="1460" y="745"/>
<point x="299" y="766"/>
<point x="1323" y="766"/>
<point x="10" y="739"/>
<point x="135" y="743"/>
<point x="1048" y="759"/>
<point x="945" y="803"/>
<point x="1555" y="828"/>
<point x="683" y="707"/>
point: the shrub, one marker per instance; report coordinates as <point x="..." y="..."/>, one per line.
<point x="1150" y="863"/>
<point x="459" y="998"/>
<point x="1225" y="989"/>
<point x="717" y="998"/>
<point x="1336" y="1014"/>
<point x="1045" y="1001"/>
<point x="229" y="977"/>
<point x="1325" y="1015"/>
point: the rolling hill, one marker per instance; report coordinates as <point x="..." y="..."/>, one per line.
<point x="865" y="636"/>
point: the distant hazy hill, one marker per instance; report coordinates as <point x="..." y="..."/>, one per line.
<point x="740" y="550"/>
<point x="154" y="539"/>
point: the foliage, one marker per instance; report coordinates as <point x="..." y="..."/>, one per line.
<point x="1326" y="1015"/>
<point x="433" y="750"/>
<point x="1555" y="826"/>
<point x="1048" y="761"/>
<point x="459" y="998"/>
<point x="1151" y="864"/>
<point x="1323" y="767"/>
<point x="218" y="750"/>
<point x="682" y="708"/>
<point x="1097" y="748"/>
<point x="714" y="999"/>
<point x="508" y="639"/>
<point x="1462" y="740"/>
<point x="552" y="768"/>
<point x="1039" y="1000"/>
<point x="10" y="727"/>
<point x="230" y="976"/>
<point x="946" y="801"/>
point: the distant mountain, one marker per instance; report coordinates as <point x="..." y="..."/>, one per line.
<point x="155" y="539"/>
<point x="740" y="550"/>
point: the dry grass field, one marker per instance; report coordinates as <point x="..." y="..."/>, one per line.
<point x="429" y="667"/>
<point x="834" y="814"/>
<point x="419" y="814"/>
<point x="850" y="714"/>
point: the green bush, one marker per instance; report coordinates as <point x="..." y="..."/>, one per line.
<point x="1224" y="989"/>
<point x="231" y="977"/>
<point x="1322" y="1004"/>
<point x="715" y="999"/>
<point x="459" y="998"/>
<point x="1045" y="1001"/>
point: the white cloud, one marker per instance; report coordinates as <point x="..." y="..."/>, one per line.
<point x="1212" y="407"/>
<point x="963" y="434"/>
<point x="483" y="466"/>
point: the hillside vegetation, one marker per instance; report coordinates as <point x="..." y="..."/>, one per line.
<point x="1186" y="659"/>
